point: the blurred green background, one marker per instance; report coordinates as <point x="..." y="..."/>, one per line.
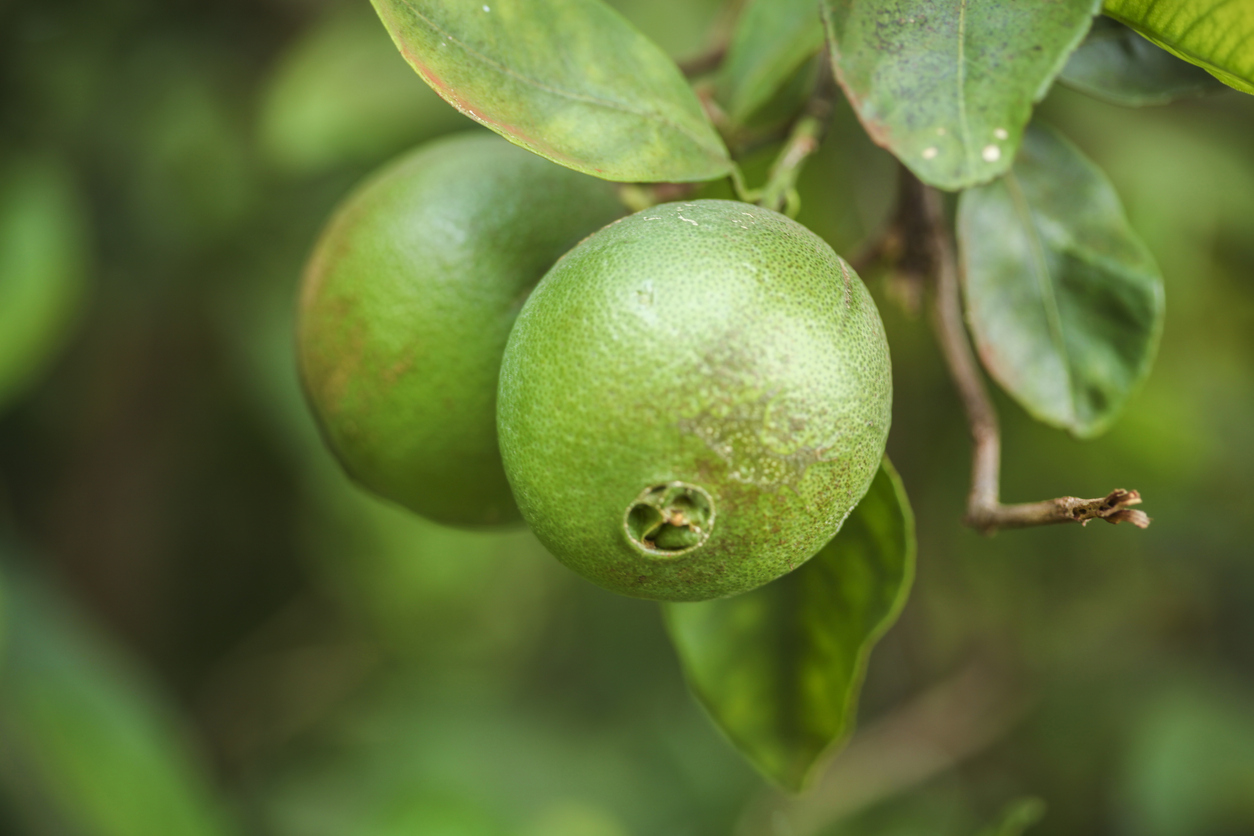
<point x="205" y="629"/>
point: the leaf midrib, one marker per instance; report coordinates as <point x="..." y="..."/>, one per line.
<point x="962" y="89"/>
<point x="1040" y="270"/>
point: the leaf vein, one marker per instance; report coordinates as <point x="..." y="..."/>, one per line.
<point x="608" y="104"/>
<point x="1040" y="271"/>
<point x="962" y="88"/>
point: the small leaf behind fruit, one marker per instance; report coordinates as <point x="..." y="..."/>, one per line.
<point x="570" y="80"/>
<point x="1064" y="301"/>
<point x="779" y="668"/>
<point x="772" y="39"/>
<point x="948" y="86"/>
<point x="338" y="96"/>
<point x="1117" y="65"/>
<point x="1217" y="35"/>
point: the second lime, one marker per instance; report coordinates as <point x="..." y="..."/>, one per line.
<point x="406" y="306"/>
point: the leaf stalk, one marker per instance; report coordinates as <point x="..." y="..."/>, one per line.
<point x="923" y="244"/>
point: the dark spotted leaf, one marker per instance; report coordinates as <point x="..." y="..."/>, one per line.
<point x="948" y="85"/>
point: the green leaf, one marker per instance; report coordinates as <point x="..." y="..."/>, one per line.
<point x="1217" y="35"/>
<point x="948" y="85"/>
<point x="772" y="39"/>
<point x="570" y="80"/>
<point x="1117" y="65"/>
<point x="43" y="265"/>
<point x="1064" y="301"/>
<point x="86" y="745"/>
<point x="779" y="668"/>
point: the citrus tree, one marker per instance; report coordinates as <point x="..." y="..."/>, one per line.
<point x="693" y="402"/>
<point x="660" y="330"/>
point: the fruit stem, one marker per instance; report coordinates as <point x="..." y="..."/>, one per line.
<point x="743" y="192"/>
<point x="780" y="192"/>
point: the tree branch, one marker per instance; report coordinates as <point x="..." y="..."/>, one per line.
<point x="929" y="247"/>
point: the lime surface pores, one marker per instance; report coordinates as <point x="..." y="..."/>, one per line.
<point x="406" y="306"/>
<point x="693" y="400"/>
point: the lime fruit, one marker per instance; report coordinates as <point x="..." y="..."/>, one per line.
<point x="406" y="305"/>
<point x="693" y="400"/>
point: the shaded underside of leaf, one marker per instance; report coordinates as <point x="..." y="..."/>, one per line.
<point x="948" y="86"/>
<point x="1064" y="301"/>
<point x="570" y="80"/>
<point x="772" y="39"/>
<point x="1117" y="65"/>
<point x="779" y="668"/>
<point x="1217" y="35"/>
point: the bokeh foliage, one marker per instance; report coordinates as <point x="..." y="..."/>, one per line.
<point x="294" y="657"/>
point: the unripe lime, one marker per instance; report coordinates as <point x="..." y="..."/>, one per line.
<point x="406" y="305"/>
<point x="693" y="400"/>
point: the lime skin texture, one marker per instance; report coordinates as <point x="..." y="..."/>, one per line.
<point x="406" y="305"/>
<point x="693" y="399"/>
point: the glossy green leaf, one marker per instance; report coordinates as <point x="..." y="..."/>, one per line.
<point x="570" y="80"/>
<point x="779" y="668"/>
<point x="1064" y="301"/>
<point x="1117" y="65"/>
<point x="1217" y="35"/>
<point x="85" y="741"/>
<point x="43" y="264"/>
<point x="948" y="85"/>
<point x="772" y="39"/>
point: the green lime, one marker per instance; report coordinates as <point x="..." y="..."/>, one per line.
<point x="406" y="305"/>
<point x="693" y="400"/>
